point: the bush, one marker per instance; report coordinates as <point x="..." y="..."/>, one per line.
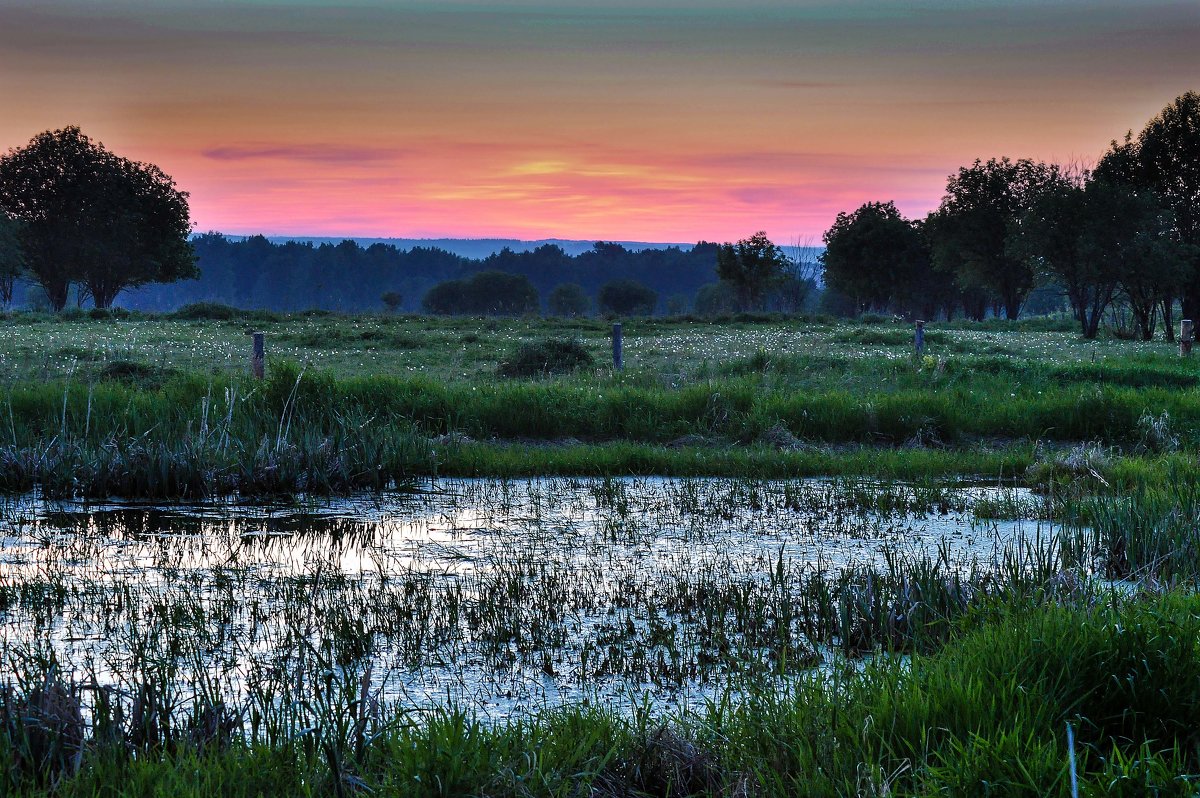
<point x="546" y="357"/>
<point x="485" y="293"/>
<point x="627" y="298"/>
<point x="568" y="300"/>
<point x="136" y="374"/>
<point x="108" y="314"/>
<point x="206" y="311"/>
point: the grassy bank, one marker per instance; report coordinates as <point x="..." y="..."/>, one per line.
<point x="162" y="405"/>
<point x="140" y="433"/>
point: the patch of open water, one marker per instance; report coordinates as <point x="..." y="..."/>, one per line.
<point x="501" y="596"/>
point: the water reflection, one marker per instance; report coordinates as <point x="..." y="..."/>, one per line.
<point x="500" y="594"/>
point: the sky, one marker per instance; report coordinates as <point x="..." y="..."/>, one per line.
<point x="658" y="120"/>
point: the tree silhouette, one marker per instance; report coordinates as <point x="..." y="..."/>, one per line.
<point x="876" y="257"/>
<point x="392" y="300"/>
<point x="489" y="293"/>
<point x="568" y="299"/>
<point x="91" y="217"/>
<point x="752" y="266"/>
<point x="982" y="203"/>
<point x="627" y="298"/>
<point x="1168" y="154"/>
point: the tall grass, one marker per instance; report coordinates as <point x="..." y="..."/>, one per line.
<point x="987" y="714"/>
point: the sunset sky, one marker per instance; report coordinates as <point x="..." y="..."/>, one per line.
<point x="663" y="120"/>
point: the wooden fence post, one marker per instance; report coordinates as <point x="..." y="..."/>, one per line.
<point x="919" y="336"/>
<point x="618" y="355"/>
<point x="258" y="360"/>
<point x="1187" y="332"/>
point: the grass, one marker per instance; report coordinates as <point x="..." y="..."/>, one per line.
<point x="987" y="712"/>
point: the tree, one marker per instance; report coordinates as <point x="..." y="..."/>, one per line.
<point x="627" y="298"/>
<point x="91" y="217"/>
<point x="877" y="257"/>
<point x="1168" y="157"/>
<point x="752" y="266"/>
<point x="982" y="202"/>
<point x="502" y="294"/>
<point x="446" y="298"/>
<point x="1061" y="237"/>
<point x="568" y="299"/>
<point x="484" y="293"/>
<point x="1159" y="264"/>
<point x="392" y="300"/>
<point x="1154" y="263"/>
<point x="11" y="258"/>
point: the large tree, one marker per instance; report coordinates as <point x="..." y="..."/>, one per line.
<point x="982" y="204"/>
<point x="1070" y="235"/>
<point x="877" y="258"/>
<point x="1168" y="158"/>
<point x="752" y="266"/>
<point x="94" y="218"/>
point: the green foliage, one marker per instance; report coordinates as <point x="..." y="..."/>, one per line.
<point x="93" y="218"/>
<point x="568" y="300"/>
<point x="627" y="298"/>
<point x="880" y="259"/>
<point x="206" y="311"/>
<point x="392" y="300"/>
<point x="136" y="374"/>
<point x="716" y="299"/>
<point x="970" y="229"/>
<point x="488" y="293"/>
<point x="752" y="266"/>
<point x="545" y="358"/>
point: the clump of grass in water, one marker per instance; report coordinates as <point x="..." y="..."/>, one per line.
<point x="989" y="711"/>
<point x="1147" y="531"/>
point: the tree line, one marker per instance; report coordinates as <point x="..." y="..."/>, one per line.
<point x="609" y="278"/>
<point x="1126" y="231"/>
<point x="78" y="222"/>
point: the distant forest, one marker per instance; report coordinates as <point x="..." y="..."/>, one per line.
<point x="256" y="273"/>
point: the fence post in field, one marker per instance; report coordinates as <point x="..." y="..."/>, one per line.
<point x="1187" y="333"/>
<point x="919" y="337"/>
<point x="618" y="355"/>
<point x="258" y="360"/>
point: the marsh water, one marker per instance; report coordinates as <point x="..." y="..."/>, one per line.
<point x="498" y="596"/>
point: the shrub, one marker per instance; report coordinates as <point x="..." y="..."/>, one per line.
<point x="546" y="357"/>
<point x="568" y="299"/>
<point x="485" y="293"/>
<point x="627" y="298"/>
<point x="107" y="314"/>
<point x="206" y="311"/>
<point x="715" y="299"/>
<point x="137" y="374"/>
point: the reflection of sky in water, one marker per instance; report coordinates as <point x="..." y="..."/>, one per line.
<point x="601" y="550"/>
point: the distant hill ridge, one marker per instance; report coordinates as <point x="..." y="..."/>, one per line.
<point x="475" y="248"/>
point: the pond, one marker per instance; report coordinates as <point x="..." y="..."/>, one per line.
<point x="499" y="597"/>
